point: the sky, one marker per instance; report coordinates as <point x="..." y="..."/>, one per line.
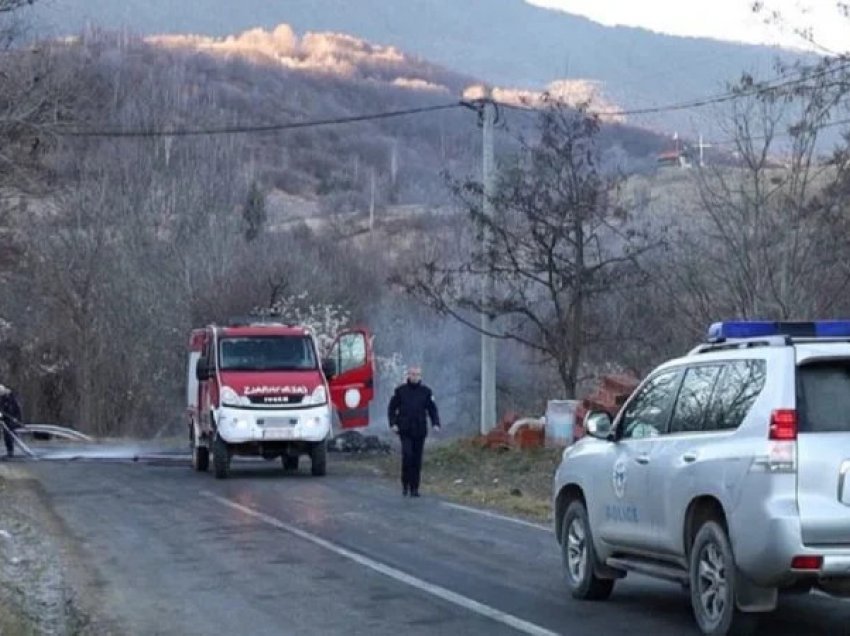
<point x="722" y="19"/>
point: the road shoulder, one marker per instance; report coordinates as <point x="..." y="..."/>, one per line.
<point x="512" y="482"/>
<point x="44" y="581"/>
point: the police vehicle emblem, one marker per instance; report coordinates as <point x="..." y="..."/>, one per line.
<point x="619" y="478"/>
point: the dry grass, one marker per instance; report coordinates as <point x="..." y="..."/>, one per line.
<point x="13" y="623"/>
<point x="514" y="482"/>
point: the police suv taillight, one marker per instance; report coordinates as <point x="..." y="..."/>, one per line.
<point x="783" y="425"/>
<point x="781" y="442"/>
<point x="807" y="563"/>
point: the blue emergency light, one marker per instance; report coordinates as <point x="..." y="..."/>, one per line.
<point x="720" y="331"/>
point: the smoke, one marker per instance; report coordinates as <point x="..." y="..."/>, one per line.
<point x="407" y="333"/>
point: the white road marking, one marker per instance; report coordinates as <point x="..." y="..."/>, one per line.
<point x="494" y="515"/>
<point x="823" y="594"/>
<point x="435" y="590"/>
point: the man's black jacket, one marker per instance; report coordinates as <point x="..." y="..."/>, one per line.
<point x="10" y="407"/>
<point x="408" y="408"/>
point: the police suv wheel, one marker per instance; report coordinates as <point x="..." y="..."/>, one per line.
<point x="579" y="557"/>
<point x="712" y="582"/>
<point x="221" y="458"/>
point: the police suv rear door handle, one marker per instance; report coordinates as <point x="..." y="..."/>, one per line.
<point x="642" y="459"/>
<point x="689" y="458"/>
<point x="842" y="480"/>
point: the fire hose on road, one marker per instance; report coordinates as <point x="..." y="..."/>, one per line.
<point x="85" y="447"/>
<point x="15" y="438"/>
<point x="54" y="431"/>
<point x="35" y="429"/>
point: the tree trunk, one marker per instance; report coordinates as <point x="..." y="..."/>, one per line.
<point x="576" y="334"/>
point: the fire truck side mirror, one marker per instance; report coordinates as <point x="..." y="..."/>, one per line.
<point x="329" y="367"/>
<point x="202" y="369"/>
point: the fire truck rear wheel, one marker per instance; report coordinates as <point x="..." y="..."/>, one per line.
<point x="221" y="458"/>
<point x="319" y="459"/>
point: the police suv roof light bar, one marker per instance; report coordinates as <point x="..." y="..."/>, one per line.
<point x="723" y="331"/>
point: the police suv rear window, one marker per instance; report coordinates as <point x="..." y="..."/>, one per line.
<point x="718" y="396"/>
<point x="823" y="397"/>
<point x="739" y="385"/>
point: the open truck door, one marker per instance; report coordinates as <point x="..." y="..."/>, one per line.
<point x="350" y="369"/>
<point x="195" y="401"/>
<point x="197" y="340"/>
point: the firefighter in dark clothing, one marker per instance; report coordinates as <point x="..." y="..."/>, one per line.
<point x="10" y="411"/>
<point x="411" y="403"/>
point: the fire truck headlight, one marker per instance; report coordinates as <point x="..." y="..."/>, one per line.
<point x="229" y="397"/>
<point x="319" y="396"/>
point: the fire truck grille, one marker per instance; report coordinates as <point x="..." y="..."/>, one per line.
<point x="276" y="399"/>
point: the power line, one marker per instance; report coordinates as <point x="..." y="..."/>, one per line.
<point x="239" y="129"/>
<point x="768" y="87"/>
<point x="262" y="128"/>
<point x="831" y="124"/>
<point x="720" y="98"/>
<point x="837" y="122"/>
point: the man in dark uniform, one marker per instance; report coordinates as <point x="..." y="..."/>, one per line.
<point x="10" y="411"/>
<point x="409" y="406"/>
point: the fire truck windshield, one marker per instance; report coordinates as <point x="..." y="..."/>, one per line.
<point x="267" y="353"/>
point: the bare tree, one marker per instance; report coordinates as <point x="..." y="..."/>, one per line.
<point x="37" y="96"/>
<point x="66" y="252"/>
<point x="12" y="26"/>
<point x="769" y="238"/>
<point x="7" y="6"/>
<point x="795" y="25"/>
<point x="32" y="100"/>
<point x="559" y="241"/>
<point x="254" y="213"/>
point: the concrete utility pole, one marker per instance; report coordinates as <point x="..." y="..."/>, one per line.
<point x="372" y="205"/>
<point x="702" y="147"/>
<point x="488" y="343"/>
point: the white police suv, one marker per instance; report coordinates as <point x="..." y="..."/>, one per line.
<point x="727" y="470"/>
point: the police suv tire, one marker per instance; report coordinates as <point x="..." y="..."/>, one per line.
<point x="290" y="462"/>
<point x="712" y="548"/>
<point x="319" y="459"/>
<point x="584" y="584"/>
<point x="200" y="458"/>
<point x="221" y="459"/>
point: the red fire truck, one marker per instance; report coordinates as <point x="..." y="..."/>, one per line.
<point x="261" y="389"/>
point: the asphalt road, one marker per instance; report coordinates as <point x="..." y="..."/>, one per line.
<point x="170" y="551"/>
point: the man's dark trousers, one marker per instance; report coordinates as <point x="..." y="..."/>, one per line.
<point x="7" y="440"/>
<point x="411" y="461"/>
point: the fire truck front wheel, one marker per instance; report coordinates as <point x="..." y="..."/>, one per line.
<point x="319" y="459"/>
<point x="221" y="458"/>
<point x="200" y="458"/>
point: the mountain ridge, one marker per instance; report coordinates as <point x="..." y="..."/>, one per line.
<point x="505" y="42"/>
